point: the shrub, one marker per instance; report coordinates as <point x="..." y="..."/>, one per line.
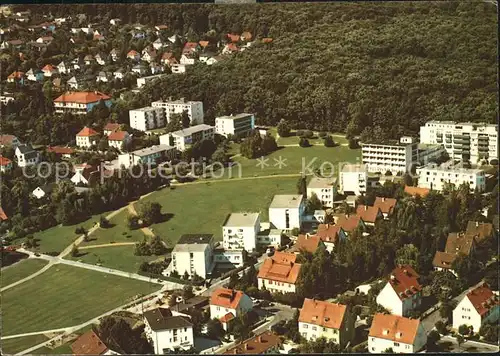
<point x="308" y="134"/>
<point x="441" y="327"/>
<point x="322" y="134"/>
<point x="304" y="142"/>
<point x="494" y="162"/>
<point x="353" y="144"/>
<point x="299" y="133"/>
<point x="329" y="141"/>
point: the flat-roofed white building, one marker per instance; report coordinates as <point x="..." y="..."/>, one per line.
<point x="240" y="124"/>
<point x="147" y="118"/>
<point x="435" y="177"/>
<point x="353" y="179"/>
<point x="240" y="230"/>
<point x="390" y="156"/>
<point x="194" y="109"/>
<point x="194" y="254"/>
<point x="149" y="155"/>
<point x="184" y="138"/>
<point x="286" y="211"/>
<point x="463" y="140"/>
<point x="324" y="188"/>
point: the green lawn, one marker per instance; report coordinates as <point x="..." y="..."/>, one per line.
<point x="57" y="238"/>
<point x="118" y="233"/>
<point x="202" y="208"/>
<point x="18" y="344"/>
<point x="293" y="139"/>
<point x="65" y="296"/>
<point x="64" y="349"/>
<point x="20" y="270"/>
<point x="116" y="257"/>
<point x="296" y="159"/>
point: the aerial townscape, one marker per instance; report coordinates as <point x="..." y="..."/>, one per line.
<point x="249" y="178"/>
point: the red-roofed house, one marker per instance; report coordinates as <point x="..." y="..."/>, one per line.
<point x="386" y="205"/>
<point x="117" y="138"/>
<point x="233" y="38"/>
<point x="91" y="344"/>
<point x="5" y="164"/>
<point x="279" y="273"/>
<point x="87" y="137"/>
<point x="190" y="48"/>
<point x="9" y="140"/>
<point x="349" y="223"/>
<point x="267" y="40"/>
<point x="80" y="102"/>
<point x="324" y="319"/>
<point x="309" y="243"/>
<point x="16" y="77"/>
<point x="330" y="235"/>
<point x="204" y="44"/>
<point x="133" y="55"/>
<point x="402" y="335"/>
<point x="403" y="293"/>
<point x="230" y="48"/>
<point x="227" y="304"/>
<point x="414" y="191"/>
<point x="246" y="36"/>
<point x="478" y="307"/>
<point x="49" y="70"/>
<point x="65" y="152"/>
<point x="111" y="127"/>
<point x="369" y="214"/>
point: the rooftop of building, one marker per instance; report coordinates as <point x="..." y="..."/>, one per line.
<point x="234" y="117"/>
<point x="152" y="150"/>
<point x="241" y="219"/>
<point x="322" y="313"/>
<point x="257" y="345"/>
<point x="321" y="182"/>
<point x="162" y="319"/>
<point x="346" y="168"/>
<point x="283" y="201"/>
<point x="394" y="328"/>
<point x="193" y="243"/>
<point x="191" y="130"/>
<point x="146" y="108"/>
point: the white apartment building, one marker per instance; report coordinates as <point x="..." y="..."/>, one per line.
<point x="194" y="109"/>
<point x="464" y="140"/>
<point x="149" y="155"/>
<point x="168" y="332"/>
<point x="229" y="258"/>
<point x="193" y="254"/>
<point x="477" y="307"/>
<point x="400" y="334"/>
<point x="240" y="124"/>
<point x="279" y="273"/>
<point x="240" y="230"/>
<point x="228" y="304"/>
<point x="353" y="179"/>
<point x="148" y="118"/>
<point x="270" y="237"/>
<point x="324" y="188"/>
<point x="402" y="293"/>
<point x="184" y="138"/>
<point x="435" y="177"/>
<point x="324" y="319"/>
<point x="394" y="157"/>
<point x="286" y="211"/>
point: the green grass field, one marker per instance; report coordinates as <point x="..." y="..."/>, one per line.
<point x="202" y="208"/>
<point x="65" y="296"/>
<point x="117" y="257"/>
<point x="18" y="344"/>
<point x="64" y="349"/>
<point x="293" y="139"/>
<point x="20" y="270"/>
<point x="57" y="238"/>
<point x="118" y="233"/>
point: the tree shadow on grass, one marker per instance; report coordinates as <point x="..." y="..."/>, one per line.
<point x="80" y="254"/>
<point x="165" y="217"/>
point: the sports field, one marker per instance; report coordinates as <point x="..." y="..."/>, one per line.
<point x="66" y="296"/>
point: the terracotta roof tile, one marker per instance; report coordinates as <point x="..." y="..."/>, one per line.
<point x="414" y="191"/>
<point x="16" y="75"/>
<point x="226" y="318"/>
<point x="443" y="259"/>
<point x="7" y="139"/>
<point x="308" y="243"/>
<point x="246" y="35"/>
<point x="4" y="161"/>
<point x="368" y="213"/>
<point x="325" y="314"/>
<point x="481" y="230"/>
<point x="227" y="298"/>
<point x="394" y="328"/>
<point x="459" y="243"/>
<point x="117" y="136"/>
<point x="82" y="97"/>
<point x="60" y="150"/>
<point x="3" y="216"/>
<point x="404" y="281"/>
<point x="267" y="40"/>
<point x="483" y="299"/>
<point x="386" y="205"/>
<point x="280" y="267"/>
<point x="256" y="345"/>
<point x="132" y="53"/>
<point x="204" y="43"/>
<point x="88" y="344"/>
<point x="233" y="37"/>
<point x="328" y="233"/>
<point x="87" y="131"/>
<point x="350" y="223"/>
<point x="232" y="47"/>
<point x="111" y="126"/>
<point x="49" y="68"/>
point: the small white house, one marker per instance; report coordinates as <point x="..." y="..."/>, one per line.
<point x="73" y="83"/>
<point x="286" y="211"/>
<point x="402" y="335"/>
<point x="477" y="307"/>
<point x="187" y="60"/>
<point x="228" y="304"/>
<point x="87" y="137"/>
<point x="118" y="138"/>
<point x="168" y="332"/>
<point x="26" y="155"/>
<point x="402" y="293"/>
<point x="239" y="231"/>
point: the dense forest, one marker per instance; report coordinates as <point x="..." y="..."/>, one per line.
<point x="335" y="66"/>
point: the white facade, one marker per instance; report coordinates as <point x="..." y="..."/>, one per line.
<point x="194" y="109"/>
<point x="178" y="68"/>
<point x="312" y="332"/>
<point x="400" y="334"/>
<point x="389" y="299"/>
<point x="185" y="60"/>
<point x="240" y="124"/>
<point x="183" y="139"/>
<point x="286" y="211"/>
<point x="149" y="155"/>
<point x="276" y="286"/>
<point x="324" y="188"/>
<point x="166" y="340"/>
<point x="28" y="158"/>
<point x="396" y="158"/>
<point x="466" y="313"/>
<point x="464" y="140"/>
<point x="118" y="143"/>
<point x="144" y="80"/>
<point x="234" y="257"/>
<point x="240" y="231"/>
<point x="244" y="306"/>
<point x="87" y="141"/>
<point x="147" y="118"/>
<point x="353" y="178"/>
<point x="435" y="177"/>
<point x="379" y="345"/>
<point x="39" y="193"/>
<point x="193" y="256"/>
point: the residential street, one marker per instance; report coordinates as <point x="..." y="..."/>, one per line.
<point x="449" y="343"/>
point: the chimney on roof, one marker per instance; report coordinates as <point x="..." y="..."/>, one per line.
<point x="259" y="338"/>
<point x="383" y="199"/>
<point x="477" y="223"/>
<point x="366" y="207"/>
<point x="246" y="346"/>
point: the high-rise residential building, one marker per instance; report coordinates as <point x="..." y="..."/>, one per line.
<point x="194" y="109"/>
<point x="240" y="124"/>
<point x="182" y="139"/>
<point x="147" y="118"/>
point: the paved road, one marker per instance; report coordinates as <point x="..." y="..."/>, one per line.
<point x="449" y="343"/>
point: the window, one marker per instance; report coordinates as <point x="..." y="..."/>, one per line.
<point x="373" y="349"/>
<point x="314" y="328"/>
<point x="306" y="326"/>
<point x="396" y="344"/>
<point x="218" y="308"/>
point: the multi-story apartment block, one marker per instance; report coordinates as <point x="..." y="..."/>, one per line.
<point x="80" y="103"/>
<point x="435" y="177"/>
<point x="194" y="109"/>
<point x="279" y="273"/>
<point x="148" y="118"/>
<point x="168" y="332"/>
<point x="394" y="156"/>
<point x="465" y="140"/>
<point x="478" y="307"/>
<point x="286" y="211"/>
<point x="240" y="230"/>
<point x="324" y="188"/>
<point x="194" y="254"/>
<point x="240" y="124"/>
<point x="184" y="138"/>
<point x="149" y="155"/>
<point x="402" y="293"/>
<point x="402" y="335"/>
<point x="332" y="321"/>
<point x="353" y="179"/>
